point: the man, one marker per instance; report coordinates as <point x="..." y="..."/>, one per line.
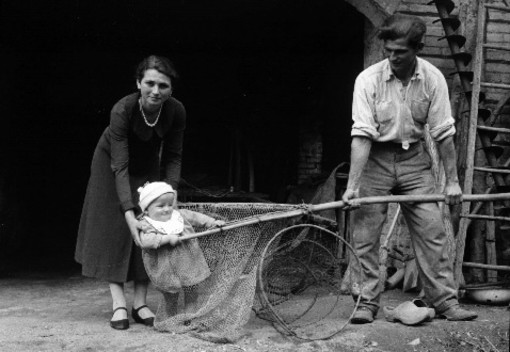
<point x="392" y="102"/>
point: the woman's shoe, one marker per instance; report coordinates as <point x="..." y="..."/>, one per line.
<point x="139" y="319"/>
<point x="122" y="324"/>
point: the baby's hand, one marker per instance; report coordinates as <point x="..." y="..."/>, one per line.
<point x="219" y="223"/>
<point x="173" y="239"/>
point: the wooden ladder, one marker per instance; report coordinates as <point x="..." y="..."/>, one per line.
<point x="481" y="127"/>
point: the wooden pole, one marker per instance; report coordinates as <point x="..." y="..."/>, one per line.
<point x="490" y="244"/>
<point x="307" y="208"/>
<point x="386" y="249"/>
<point x="487" y="266"/>
<point x="470" y="149"/>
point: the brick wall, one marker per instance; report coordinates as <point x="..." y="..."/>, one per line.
<point x="310" y="155"/>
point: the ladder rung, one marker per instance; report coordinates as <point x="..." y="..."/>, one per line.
<point x="495" y="85"/>
<point x="486" y="217"/>
<point x="496" y="170"/>
<point x="497" y="7"/>
<point x="486" y="266"/>
<point x="494" y="129"/>
<point x="497" y="47"/>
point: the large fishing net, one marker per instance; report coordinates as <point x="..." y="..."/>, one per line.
<point x="298" y="276"/>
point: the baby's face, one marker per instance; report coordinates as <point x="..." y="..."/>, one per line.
<point x="161" y="208"/>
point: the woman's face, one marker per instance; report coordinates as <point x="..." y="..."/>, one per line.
<point x="155" y="89"/>
<point x="161" y="208"/>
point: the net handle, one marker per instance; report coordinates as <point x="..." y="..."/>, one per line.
<point x="307" y="208"/>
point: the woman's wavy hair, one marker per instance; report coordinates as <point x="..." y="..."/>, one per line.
<point x="158" y="63"/>
<point x="398" y="26"/>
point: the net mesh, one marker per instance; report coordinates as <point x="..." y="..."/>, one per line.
<point x="218" y="308"/>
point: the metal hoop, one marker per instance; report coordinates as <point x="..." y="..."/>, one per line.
<point x="276" y="318"/>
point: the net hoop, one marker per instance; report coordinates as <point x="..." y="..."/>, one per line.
<point x="275" y="317"/>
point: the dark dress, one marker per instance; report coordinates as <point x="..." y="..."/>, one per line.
<point x="128" y="154"/>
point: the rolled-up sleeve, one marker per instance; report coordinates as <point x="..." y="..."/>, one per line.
<point x="363" y="110"/>
<point x="440" y="120"/>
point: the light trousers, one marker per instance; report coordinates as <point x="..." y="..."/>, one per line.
<point x="393" y="170"/>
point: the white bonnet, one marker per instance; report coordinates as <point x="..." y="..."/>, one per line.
<point x="150" y="191"/>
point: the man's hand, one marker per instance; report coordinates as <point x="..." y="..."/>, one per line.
<point x="452" y="190"/>
<point x="453" y="193"/>
<point x="360" y="150"/>
<point x="348" y="195"/>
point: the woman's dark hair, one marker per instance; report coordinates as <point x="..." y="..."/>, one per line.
<point x="160" y="64"/>
<point x="399" y="26"/>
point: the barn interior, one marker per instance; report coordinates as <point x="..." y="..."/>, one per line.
<point x="255" y="77"/>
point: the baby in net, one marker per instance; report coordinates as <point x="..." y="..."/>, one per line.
<point x="171" y="264"/>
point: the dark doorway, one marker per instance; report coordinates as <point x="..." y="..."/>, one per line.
<point x="262" y="68"/>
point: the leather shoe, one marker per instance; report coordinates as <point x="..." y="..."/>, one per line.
<point x="139" y="319"/>
<point x="121" y="324"/>
<point x="363" y="315"/>
<point x="456" y="313"/>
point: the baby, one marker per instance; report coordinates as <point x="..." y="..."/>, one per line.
<point x="170" y="263"/>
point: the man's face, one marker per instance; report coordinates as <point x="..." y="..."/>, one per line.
<point x="401" y="56"/>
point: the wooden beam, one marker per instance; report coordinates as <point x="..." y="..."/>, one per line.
<point x="495" y="85"/>
<point x="486" y="266"/>
<point x="472" y="135"/>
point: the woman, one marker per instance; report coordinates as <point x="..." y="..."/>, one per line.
<point x="143" y="143"/>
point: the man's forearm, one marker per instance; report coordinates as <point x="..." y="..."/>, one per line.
<point x="447" y="152"/>
<point x="360" y="149"/>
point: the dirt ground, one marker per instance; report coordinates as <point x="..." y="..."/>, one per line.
<point x="70" y="313"/>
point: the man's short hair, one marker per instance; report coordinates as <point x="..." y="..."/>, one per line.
<point x="399" y="26"/>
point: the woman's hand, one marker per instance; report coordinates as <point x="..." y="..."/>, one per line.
<point x="134" y="226"/>
<point x="150" y="240"/>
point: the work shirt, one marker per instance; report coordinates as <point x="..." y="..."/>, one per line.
<point x="385" y="110"/>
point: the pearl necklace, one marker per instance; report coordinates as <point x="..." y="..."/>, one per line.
<point x="145" y="118"/>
